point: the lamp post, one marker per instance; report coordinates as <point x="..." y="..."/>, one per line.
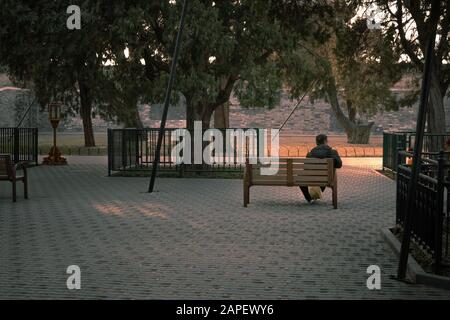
<point x="54" y="115"/>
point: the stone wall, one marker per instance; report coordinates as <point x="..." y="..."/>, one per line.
<point x="309" y="118"/>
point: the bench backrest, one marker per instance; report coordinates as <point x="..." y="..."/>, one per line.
<point x="294" y="172"/>
<point x="5" y="166"/>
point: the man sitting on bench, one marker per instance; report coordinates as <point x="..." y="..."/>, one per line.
<point x="322" y="151"/>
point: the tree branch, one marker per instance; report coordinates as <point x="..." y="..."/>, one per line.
<point x="443" y="43"/>
<point x="158" y="32"/>
<point x="225" y="92"/>
<point x="263" y="58"/>
<point x="405" y="43"/>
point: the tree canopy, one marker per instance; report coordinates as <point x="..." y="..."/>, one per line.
<point x="252" y="48"/>
<point x="227" y="45"/>
<point x="356" y="67"/>
<point x="415" y="23"/>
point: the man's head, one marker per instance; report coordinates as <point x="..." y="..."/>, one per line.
<point x="321" y="139"/>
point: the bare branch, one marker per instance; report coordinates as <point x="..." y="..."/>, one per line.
<point x="443" y="43"/>
<point x="407" y="46"/>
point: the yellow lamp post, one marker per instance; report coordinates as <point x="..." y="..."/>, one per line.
<point x="54" y="115"/>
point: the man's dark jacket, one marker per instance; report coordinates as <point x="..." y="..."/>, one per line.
<point x="323" y="152"/>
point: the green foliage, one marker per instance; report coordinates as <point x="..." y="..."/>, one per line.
<point x="366" y="67"/>
<point x="430" y="20"/>
<point x="42" y="53"/>
<point x="262" y="87"/>
<point x="226" y="43"/>
<point x="361" y="63"/>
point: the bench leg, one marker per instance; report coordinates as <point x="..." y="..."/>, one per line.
<point x="335" y="196"/>
<point x="14" y="191"/>
<point x="25" y="188"/>
<point x="246" y="195"/>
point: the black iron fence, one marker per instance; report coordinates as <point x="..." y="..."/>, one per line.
<point x="393" y="142"/>
<point x="134" y="150"/>
<point x="430" y="214"/>
<point x="21" y="143"/>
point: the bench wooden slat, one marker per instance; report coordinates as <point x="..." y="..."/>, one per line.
<point x="271" y="183"/>
<point x="289" y="173"/>
<point x="257" y="178"/>
<point x="304" y="160"/>
<point x="294" y="161"/>
<point x="304" y="172"/>
<point x="283" y="173"/>
<point x="311" y="173"/>
<point x="309" y="166"/>
<point x="306" y="179"/>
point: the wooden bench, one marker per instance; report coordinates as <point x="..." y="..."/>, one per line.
<point x="8" y="172"/>
<point x="293" y="172"/>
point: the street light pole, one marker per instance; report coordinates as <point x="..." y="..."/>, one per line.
<point x="167" y="97"/>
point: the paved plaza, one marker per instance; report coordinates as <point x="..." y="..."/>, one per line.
<point x="193" y="239"/>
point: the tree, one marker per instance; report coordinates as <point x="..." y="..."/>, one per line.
<point x="122" y="88"/>
<point x="356" y="68"/>
<point x="239" y="48"/>
<point x="60" y="64"/>
<point x="415" y="22"/>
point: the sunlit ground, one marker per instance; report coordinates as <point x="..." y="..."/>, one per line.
<point x="286" y="139"/>
<point x="375" y="162"/>
<point x="367" y="162"/>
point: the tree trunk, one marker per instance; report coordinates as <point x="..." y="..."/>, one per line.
<point x="351" y="111"/>
<point x="222" y="117"/>
<point x="436" y="123"/>
<point x="356" y="133"/>
<point x="198" y="113"/>
<point x="194" y="113"/>
<point x="133" y="119"/>
<point x="436" y="116"/>
<point x="359" y="134"/>
<point x="86" y="115"/>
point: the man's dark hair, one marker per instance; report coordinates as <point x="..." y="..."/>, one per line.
<point x="321" y="139"/>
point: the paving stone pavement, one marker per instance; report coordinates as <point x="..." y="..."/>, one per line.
<point x="193" y="239"/>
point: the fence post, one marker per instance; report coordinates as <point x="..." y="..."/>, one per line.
<point x="257" y="143"/>
<point x="36" y="144"/>
<point x="385" y="154"/>
<point x="109" y="151"/>
<point x="124" y="136"/>
<point x="439" y="213"/>
<point x="399" y="204"/>
<point x="16" y="145"/>
<point x="138" y="150"/>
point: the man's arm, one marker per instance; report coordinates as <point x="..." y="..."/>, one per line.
<point x="337" y="159"/>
